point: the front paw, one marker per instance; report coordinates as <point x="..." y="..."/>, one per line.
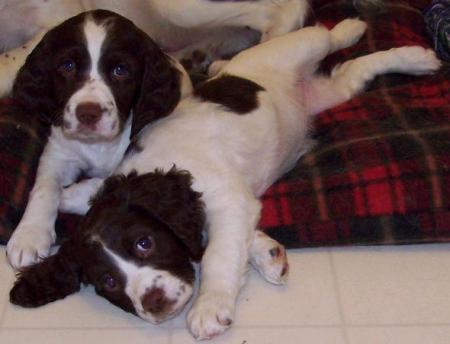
<point x="73" y="200"/>
<point x="28" y="245"/>
<point x="269" y="258"/>
<point x="211" y="315"/>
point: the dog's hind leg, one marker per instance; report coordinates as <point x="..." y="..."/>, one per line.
<point x="269" y="258"/>
<point x="350" y="78"/>
<point x="297" y="52"/>
<point x="346" y="33"/>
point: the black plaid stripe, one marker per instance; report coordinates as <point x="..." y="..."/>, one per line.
<point x="22" y="139"/>
<point x="383" y="230"/>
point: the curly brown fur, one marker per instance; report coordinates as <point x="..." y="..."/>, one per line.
<point x="160" y="205"/>
<point x="55" y="278"/>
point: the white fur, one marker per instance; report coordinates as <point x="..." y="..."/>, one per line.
<point x="98" y="152"/>
<point x="95" y="90"/>
<point x="61" y="162"/>
<point x="178" y="26"/>
<point x="140" y="280"/>
<point x="64" y="157"/>
<point x="95" y="36"/>
<point x="233" y="158"/>
<point x="269" y="258"/>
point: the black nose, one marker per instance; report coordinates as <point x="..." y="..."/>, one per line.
<point x="155" y="301"/>
<point x="88" y="113"/>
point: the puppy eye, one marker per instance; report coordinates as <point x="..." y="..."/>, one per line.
<point x="109" y="282"/>
<point x="144" y="246"/>
<point x="67" y="67"/>
<point x="121" y="71"/>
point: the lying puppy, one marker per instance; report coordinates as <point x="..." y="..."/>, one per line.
<point x="229" y="141"/>
<point x="196" y="31"/>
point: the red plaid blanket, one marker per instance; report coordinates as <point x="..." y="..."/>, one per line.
<point x="380" y="173"/>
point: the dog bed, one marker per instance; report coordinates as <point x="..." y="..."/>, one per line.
<point x="379" y="174"/>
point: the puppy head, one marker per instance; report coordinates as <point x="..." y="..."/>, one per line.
<point x="89" y="73"/>
<point x="135" y="246"/>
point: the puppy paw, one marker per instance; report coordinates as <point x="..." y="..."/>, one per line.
<point x="75" y="198"/>
<point x="211" y="315"/>
<point x="418" y="60"/>
<point x="28" y="245"/>
<point x="269" y="258"/>
<point x="69" y="199"/>
<point x="347" y="33"/>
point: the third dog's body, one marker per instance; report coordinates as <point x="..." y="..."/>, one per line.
<point x="183" y="28"/>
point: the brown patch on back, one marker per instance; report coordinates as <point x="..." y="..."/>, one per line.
<point x="234" y="93"/>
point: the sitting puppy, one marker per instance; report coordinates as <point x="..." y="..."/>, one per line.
<point x="85" y="78"/>
<point x="229" y="141"/>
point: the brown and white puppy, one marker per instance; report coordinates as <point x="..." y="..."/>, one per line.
<point x="85" y="78"/>
<point x="86" y="75"/>
<point x="157" y="227"/>
<point x="230" y="140"/>
<point x="136" y="246"/>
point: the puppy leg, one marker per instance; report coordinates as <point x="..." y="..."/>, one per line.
<point x="343" y="35"/>
<point x="12" y="61"/>
<point x="269" y="258"/>
<point x="76" y="197"/>
<point x="232" y="218"/>
<point x="296" y="52"/>
<point x="346" y="33"/>
<point x="350" y="78"/>
<point x="33" y="237"/>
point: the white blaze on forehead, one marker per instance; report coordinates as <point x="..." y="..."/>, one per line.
<point x="140" y="280"/>
<point x="95" y="35"/>
<point x="95" y="89"/>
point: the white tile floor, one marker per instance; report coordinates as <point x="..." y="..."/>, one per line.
<point x="367" y="295"/>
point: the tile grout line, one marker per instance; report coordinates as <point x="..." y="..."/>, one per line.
<point x="399" y="325"/>
<point x="170" y="332"/>
<point x="3" y="314"/>
<point x="82" y="328"/>
<point x="10" y="284"/>
<point x="337" y="326"/>
<point x="274" y="327"/>
<point x="337" y="292"/>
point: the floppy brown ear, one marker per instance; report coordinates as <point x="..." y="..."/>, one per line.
<point x="54" y="278"/>
<point x="170" y="198"/>
<point x="160" y="89"/>
<point x="32" y="88"/>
